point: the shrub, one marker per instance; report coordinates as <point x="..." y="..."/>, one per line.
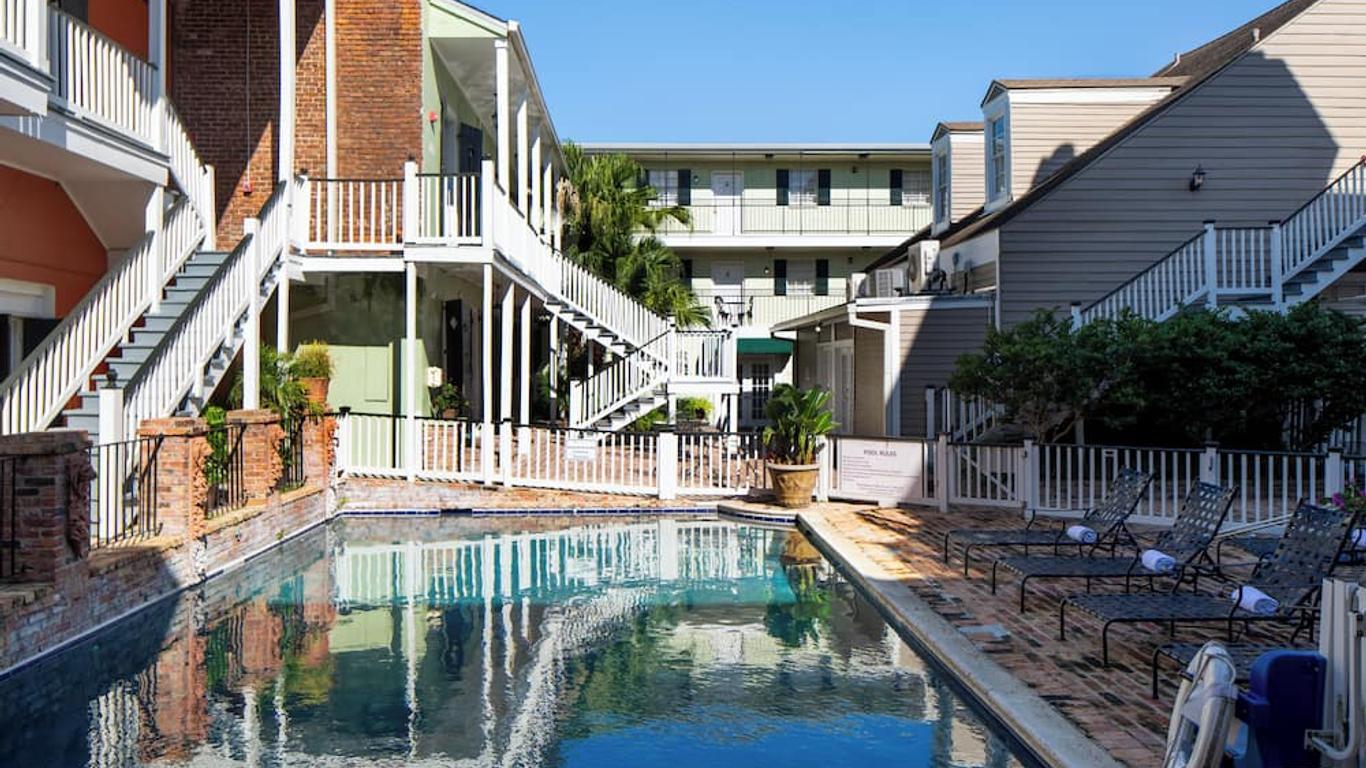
<point x="312" y="361"/>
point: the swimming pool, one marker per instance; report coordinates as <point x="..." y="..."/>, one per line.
<point x="503" y="642"/>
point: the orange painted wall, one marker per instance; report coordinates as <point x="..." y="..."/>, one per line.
<point x="125" y="21"/>
<point x="44" y="238"/>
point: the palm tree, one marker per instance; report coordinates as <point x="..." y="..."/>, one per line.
<point x="610" y="221"/>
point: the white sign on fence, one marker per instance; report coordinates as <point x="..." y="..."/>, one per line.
<point x="884" y="471"/>
<point x="580" y="449"/>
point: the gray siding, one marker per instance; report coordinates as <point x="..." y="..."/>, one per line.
<point x="1270" y="131"/>
<point x="869" y="406"/>
<point x="967" y="175"/>
<point x="1045" y="136"/>
<point x="931" y="342"/>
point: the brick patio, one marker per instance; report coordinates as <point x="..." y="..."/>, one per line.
<point x="1111" y="705"/>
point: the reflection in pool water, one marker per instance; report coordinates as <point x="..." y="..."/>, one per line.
<point x="662" y="642"/>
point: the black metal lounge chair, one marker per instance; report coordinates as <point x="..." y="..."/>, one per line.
<point x="1107" y="519"/>
<point x="1196" y="525"/>
<point x="1242" y="654"/>
<point x="1305" y="556"/>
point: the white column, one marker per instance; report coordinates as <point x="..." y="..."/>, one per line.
<point x="503" y="111"/>
<point x="486" y="348"/>
<point x="523" y="151"/>
<point x="251" y="343"/>
<point x="505" y="362"/>
<point x="548" y="201"/>
<point x="286" y="122"/>
<point x="282" y="309"/>
<point x="156" y="43"/>
<point x="409" y="377"/>
<point x="524" y="361"/>
<point x="154" y="218"/>
<point x="330" y="54"/>
<point x="554" y="377"/>
<point x="1211" y="260"/>
<point x="536" y="214"/>
<point x="891" y="347"/>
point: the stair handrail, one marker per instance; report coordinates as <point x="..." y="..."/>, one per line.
<point x="1191" y="250"/>
<point x="617" y="384"/>
<point x="191" y="175"/>
<point x="200" y="330"/>
<point x="1302" y="241"/>
<point x="34" y="394"/>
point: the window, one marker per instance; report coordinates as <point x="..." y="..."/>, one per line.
<point x="941" y="186"/>
<point x="916" y="187"/>
<point x="998" y="157"/>
<point x="801" y="278"/>
<point x="802" y="187"/>
<point x="665" y="184"/>
<point x="760" y="386"/>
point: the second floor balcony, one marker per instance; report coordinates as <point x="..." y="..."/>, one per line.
<point x="748" y="307"/>
<point x="757" y="219"/>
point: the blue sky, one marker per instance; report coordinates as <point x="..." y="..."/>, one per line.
<point x="856" y="70"/>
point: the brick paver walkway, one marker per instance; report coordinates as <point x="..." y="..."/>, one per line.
<point x="1112" y="705"/>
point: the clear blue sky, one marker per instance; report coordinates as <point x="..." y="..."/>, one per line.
<point x="850" y="70"/>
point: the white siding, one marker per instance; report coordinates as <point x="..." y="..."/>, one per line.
<point x="1044" y="136"/>
<point x="967" y="172"/>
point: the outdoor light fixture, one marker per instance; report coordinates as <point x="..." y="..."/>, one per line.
<point x="1198" y="178"/>
<point x="431" y="116"/>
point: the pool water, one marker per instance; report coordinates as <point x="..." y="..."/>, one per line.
<point x="509" y="643"/>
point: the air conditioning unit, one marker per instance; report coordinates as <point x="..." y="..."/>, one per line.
<point x="922" y="259"/>
<point x="889" y="282"/>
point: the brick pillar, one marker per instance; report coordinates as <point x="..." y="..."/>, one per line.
<point x="182" y="490"/>
<point x="320" y="450"/>
<point x="262" y="464"/>
<point x="50" y="501"/>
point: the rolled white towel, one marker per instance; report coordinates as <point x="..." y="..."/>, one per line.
<point x="1082" y="534"/>
<point x="1358" y="539"/>
<point x="1254" y="600"/>
<point x="1158" y="561"/>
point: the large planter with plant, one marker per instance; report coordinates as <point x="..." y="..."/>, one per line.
<point x="801" y="417"/>
<point x="313" y="368"/>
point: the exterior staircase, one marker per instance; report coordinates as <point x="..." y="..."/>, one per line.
<point x="1271" y="268"/>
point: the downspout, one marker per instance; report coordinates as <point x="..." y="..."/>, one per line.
<point x="891" y="382"/>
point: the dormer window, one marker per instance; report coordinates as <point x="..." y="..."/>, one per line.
<point x="998" y="180"/>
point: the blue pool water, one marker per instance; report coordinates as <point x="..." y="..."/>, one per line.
<point x="509" y="643"/>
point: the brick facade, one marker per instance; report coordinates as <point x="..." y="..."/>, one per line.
<point x="51" y="474"/>
<point x="226" y="81"/>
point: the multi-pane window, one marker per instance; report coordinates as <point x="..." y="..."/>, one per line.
<point x="997" y="136"/>
<point x="941" y="186"/>
<point x="916" y="187"/>
<point x="801" y="277"/>
<point x="665" y="184"/>
<point x="802" y="186"/>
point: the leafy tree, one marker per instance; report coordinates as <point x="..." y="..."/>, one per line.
<point x="609" y="228"/>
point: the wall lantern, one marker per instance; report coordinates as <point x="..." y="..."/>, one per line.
<point x="431" y="116"/>
<point x="1198" y="178"/>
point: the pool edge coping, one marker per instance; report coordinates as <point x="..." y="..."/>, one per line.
<point x="1031" y="719"/>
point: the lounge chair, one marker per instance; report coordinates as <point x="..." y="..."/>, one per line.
<point x="1305" y="556"/>
<point x="1242" y="654"/>
<point x="1186" y="542"/>
<point x="1107" y="519"/>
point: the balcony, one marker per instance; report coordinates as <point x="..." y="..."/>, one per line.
<point x="23" y="57"/>
<point x="850" y="220"/>
<point x="751" y="308"/>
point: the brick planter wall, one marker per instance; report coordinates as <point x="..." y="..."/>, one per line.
<point x="261" y="460"/>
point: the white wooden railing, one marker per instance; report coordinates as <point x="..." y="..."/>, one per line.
<point x="354" y="214"/>
<point x="1240" y="261"/>
<point x="97" y="77"/>
<point x="209" y="323"/>
<point x="622" y="382"/>
<point x="21" y="30"/>
<point x="720" y="463"/>
<point x="447" y="207"/>
<point x="582" y="460"/>
<point x="33" y="395"/>
<point x="963" y="419"/>
<point x="191" y="175"/>
<point x="704" y="355"/>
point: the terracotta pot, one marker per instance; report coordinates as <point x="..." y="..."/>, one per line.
<point x="315" y="389"/>
<point x="449" y="414"/>
<point x="793" y="483"/>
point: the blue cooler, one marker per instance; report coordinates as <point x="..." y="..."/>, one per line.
<point x="1284" y="698"/>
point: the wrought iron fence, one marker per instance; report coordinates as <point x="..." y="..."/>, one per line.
<point x="9" y="519"/>
<point x="292" y="454"/>
<point x="123" y="492"/>
<point x="225" y="470"/>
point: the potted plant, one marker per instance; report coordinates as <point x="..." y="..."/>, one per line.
<point x="449" y="401"/>
<point x="800" y="418"/>
<point x="313" y="368"/>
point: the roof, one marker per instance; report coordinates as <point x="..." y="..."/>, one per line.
<point x="998" y="87"/>
<point x="761" y="149"/>
<point x="956" y="126"/>
<point x="1199" y="65"/>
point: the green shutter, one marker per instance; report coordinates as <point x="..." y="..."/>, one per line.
<point x="684" y="186"/>
<point x="783" y="182"/>
<point x="643" y="180"/>
<point x="894" y="186"/>
<point x="822" y="277"/>
<point x="780" y="277"/>
<point x="823" y="186"/>
<point x="687" y="272"/>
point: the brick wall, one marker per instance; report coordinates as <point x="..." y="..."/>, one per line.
<point x="225" y="81"/>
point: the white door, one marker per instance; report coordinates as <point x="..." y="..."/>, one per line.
<point x="727" y="187"/>
<point x="728" y="285"/>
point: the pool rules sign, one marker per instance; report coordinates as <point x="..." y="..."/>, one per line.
<point x="883" y="471"/>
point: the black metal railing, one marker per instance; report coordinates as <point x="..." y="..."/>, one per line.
<point x="225" y="470"/>
<point x="292" y="454"/>
<point x="9" y="519"/>
<point x="123" y="492"/>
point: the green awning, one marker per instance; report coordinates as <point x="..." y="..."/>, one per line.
<point x="763" y="347"/>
